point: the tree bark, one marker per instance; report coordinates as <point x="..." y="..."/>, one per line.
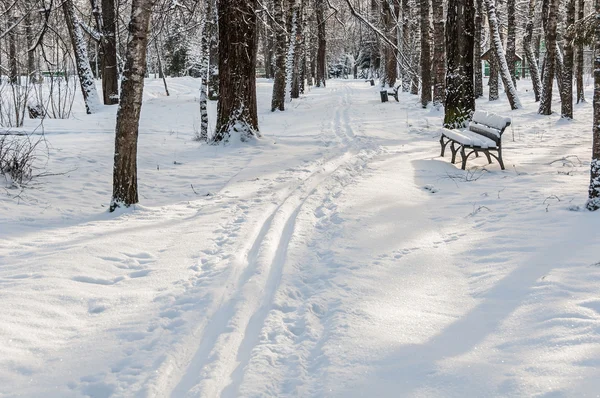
<point x="439" y="53"/>
<point x="321" y="43"/>
<point x="278" y="98"/>
<point x="236" y="111"/>
<point x="579" y="77"/>
<point x="460" y="30"/>
<point x="213" y="72"/>
<point x="478" y="72"/>
<point x="391" y="65"/>
<point x="503" y="68"/>
<point x="511" y="40"/>
<point x="406" y="77"/>
<point x="110" y="73"/>
<point x="534" y="70"/>
<point x="425" y="53"/>
<point x="125" y="190"/>
<point x="291" y="51"/>
<point x="593" y="202"/>
<point x="84" y="70"/>
<point x="566" y="108"/>
<point x="550" y="58"/>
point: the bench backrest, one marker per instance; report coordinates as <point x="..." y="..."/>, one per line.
<point x="488" y="124"/>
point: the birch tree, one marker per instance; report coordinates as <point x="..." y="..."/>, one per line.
<point x="534" y="71"/>
<point x="84" y="70"/>
<point x="439" y="53"/>
<point x="500" y="57"/>
<point x="125" y="189"/>
<point x="566" y="106"/>
<point x="579" y="73"/>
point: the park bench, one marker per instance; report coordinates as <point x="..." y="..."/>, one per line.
<point x="384" y="94"/>
<point x="484" y="135"/>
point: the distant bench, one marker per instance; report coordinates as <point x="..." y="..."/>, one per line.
<point x="484" y="135"/>
<point x="384" y="94"/>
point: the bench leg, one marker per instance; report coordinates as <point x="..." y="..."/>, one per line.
<point x="443" y="144"/>
<point x="500" y="159"/>
<point x="454" y="150"/>
<point x="464" y="158"/>
<point x="487" y="155"/>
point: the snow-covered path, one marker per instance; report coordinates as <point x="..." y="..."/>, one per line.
<point x="318" y="266"/>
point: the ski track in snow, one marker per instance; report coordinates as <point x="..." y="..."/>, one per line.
<point x="360" y="265"/>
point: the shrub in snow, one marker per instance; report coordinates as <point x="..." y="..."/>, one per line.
<point x="17" y="154"/>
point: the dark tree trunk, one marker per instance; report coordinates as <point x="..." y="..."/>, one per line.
<point x="406" y="77"/>
<point x="125" y="192"/>
<point x="477" y="49"/>
<point x="593" y="202"/>
<point x="567" y="70"/>
<point x="460" y="30"/>
<point x="439" y="53"/>
<point x="550" y="58"/>
<point x="493" y="80"/>
<point x="425" y="53"/>
<point x="534" y="70"/>
<point x="321" y="43"/>
<point x="84" y="70"/>
<point x="278" y="99"/>
<point x="391" y="65"/>
<point x="579" y="77"/>
<point x="110" y="73"/>
<point x="213" y="57"/>
<point x="13" y="73"/>
<point x="236" y="112"/>
<point x="511" y="40"/>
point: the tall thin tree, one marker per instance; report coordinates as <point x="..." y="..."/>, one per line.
<point x="424" y="8"/>
<point x="593" y="202"/>
<point x="550" y="24"/>
<point x="125" y="189"/>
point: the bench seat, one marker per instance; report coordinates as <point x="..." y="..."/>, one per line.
<point x="469" y="138"/>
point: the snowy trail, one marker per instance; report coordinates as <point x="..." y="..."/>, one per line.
<point x="341" y="257"/>
<point x="244" y="313"/>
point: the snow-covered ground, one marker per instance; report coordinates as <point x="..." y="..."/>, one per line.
<point x="339" y="256"/>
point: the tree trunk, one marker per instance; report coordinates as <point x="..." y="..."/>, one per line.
<point x="579" y="77"/>
<point x="125" y="192"/>
<point x="213" y="73"/>
<point x="204" y="70"/>
<point x="550" y="58"/>
<point x="477" y="49"/>
<point x="511" y="40"/>
<point x="321" y="43"/>
<point x="110" y="73"/>
<point x="439" y="54"/>
<point x="493" y="80"/>
<point x="460" y="29"/>
<point x="298" y="51"/>
<point x="425" y="53"/>
<point x="161" y="70"/>
<point x="391" y="65"/>
<point x="503" y="69"/>
<point x="534" y="71"/>
<point x="567" y="71"/>
<point x="236" y="111"/>
<point x="13" y="73"/>
<point x="406" y="77"/>
<point x="30" y="37"/>
<point x="291" y="52"/>
<point x="593" y="202"/>
<point x="278" y="99"/>
<point x="84" y="70"/>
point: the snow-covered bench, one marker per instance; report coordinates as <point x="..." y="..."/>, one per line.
<point x="484" y="135"/>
